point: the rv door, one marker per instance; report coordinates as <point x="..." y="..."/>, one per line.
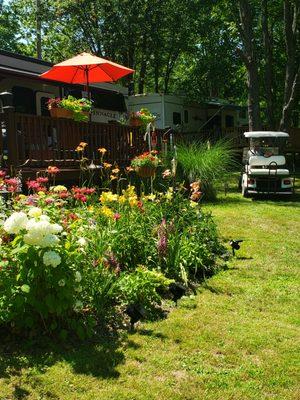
<point x="41" y="103"/>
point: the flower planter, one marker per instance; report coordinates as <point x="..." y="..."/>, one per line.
<point x="145" y="172"/>
<point x="61" y="113"/>
<point x="135" y="122"/>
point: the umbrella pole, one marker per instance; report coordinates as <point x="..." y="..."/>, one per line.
<point x="88" y="89"/>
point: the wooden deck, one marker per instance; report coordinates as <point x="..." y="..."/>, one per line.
<point x="34" y="142"/>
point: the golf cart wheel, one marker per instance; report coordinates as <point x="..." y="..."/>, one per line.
<point x="245" y="192"/>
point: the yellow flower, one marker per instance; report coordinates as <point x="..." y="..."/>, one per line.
<point x="79" y="148"/>
<point x="193" y="204"/>
<point x="42" y="194"/>
<point x="150" y="197"/>
<point x="23" y="197"/>
<point x="107" y="165"/>
<point x="169" y="194"/>
<point x="113" y="177"/>
<point x="115" y="171"/>
<point x="107" y="212"/>
<point x="107" y="197"/>
<point x="102" y="150"/>
<point x="83" y="144"/>
<point x="122" y="199"/>
<point x="132" y="201"/>
<point x="58" y="188"/>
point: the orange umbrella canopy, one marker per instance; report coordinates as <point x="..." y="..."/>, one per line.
<point x="86" y="68"/>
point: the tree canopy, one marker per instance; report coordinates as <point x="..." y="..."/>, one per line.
<point x="239" y="50"/>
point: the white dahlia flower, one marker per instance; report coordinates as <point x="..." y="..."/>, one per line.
<point x="15" y="223"/>
<point x="51" y="258"/>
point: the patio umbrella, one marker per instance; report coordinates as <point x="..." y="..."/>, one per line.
<point x="86" y="68"/>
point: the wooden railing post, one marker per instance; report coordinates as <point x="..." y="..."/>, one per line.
<point x="12" y="138"/>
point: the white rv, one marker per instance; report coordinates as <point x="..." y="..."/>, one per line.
<point x="20" y="76"/>
<point x="189" y="117"/>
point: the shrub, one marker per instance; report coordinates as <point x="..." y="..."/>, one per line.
<point x="204" y="163"/>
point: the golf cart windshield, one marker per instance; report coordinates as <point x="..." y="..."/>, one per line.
<point x="267" y="145"/>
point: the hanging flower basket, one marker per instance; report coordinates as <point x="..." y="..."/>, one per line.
<point x="145" y="171"/>
<point x="58" y="112"/>
<point x="135" y="122"/>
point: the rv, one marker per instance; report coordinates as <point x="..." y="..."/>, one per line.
<point x="20" y="75"/>
<point x="190" y="117"/>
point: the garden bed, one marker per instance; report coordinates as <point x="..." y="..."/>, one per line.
<point x="72" y="259"/>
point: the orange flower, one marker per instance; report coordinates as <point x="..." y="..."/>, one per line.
<point x="129" y="169"/>
<point x="115" y="171"/>
<point x="52" y="170"/>
<point x="195" y="186"/>
<point x="102" y="150"/>
<point x="107" y="165"/>
<point x="83" y="144"/>
<point x="79" y="148"/>
<point x="113" y="177"/>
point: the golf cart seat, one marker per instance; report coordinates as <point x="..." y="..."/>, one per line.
<point x="267" y="171"/>
<point x="255" y="161"/>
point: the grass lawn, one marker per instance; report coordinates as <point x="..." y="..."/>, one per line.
<point x="237" y="339"/>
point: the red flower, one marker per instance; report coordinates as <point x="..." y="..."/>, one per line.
<point x="2" y="174"/>
<point x="42" y="179"/>
<point x="34" y="185"/>
<point x="64" y="195"/>
<point x="117" y="216"/>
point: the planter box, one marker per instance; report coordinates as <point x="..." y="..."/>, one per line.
<point x="61" y="113"/>
<point x="145" y="172"/>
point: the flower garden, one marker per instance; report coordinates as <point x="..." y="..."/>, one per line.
<point x="75" y="260"/>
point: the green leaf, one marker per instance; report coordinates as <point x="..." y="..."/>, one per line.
<point x="25" y="288"/>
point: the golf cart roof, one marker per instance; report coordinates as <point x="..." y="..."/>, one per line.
<point x="264" y="134"/>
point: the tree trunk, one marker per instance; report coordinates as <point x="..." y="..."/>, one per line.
<point x="291" y="27"/>
<point x="249" y="56"/>
<point x="268" y="73"/>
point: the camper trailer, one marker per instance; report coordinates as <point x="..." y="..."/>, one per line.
<point x="20" y="76"/>
<point x="190" y="117"/>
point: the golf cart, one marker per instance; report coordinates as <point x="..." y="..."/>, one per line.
<point x="265" y="170"/>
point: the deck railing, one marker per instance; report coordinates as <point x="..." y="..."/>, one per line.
<point x="37" y="141"/>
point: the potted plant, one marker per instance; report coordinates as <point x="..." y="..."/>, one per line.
<point x="70" y="107"/>
<point x="141" y="118"/>
<point x="145" y="164"/>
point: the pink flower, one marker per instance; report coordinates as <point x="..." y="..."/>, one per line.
<point x="42" y="179"/>
<point x="117" y="216"/>
<point x="49" y="200"/>
<point x="2" y="174"/>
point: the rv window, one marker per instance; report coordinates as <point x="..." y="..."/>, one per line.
<point x="109" y="101"/>
<point x="186" y="116"/>
<point x="229" y="121"/>
<point x="176" y="118"/>
<point x="23" y="100"/>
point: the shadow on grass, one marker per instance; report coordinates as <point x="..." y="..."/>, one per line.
<point x="151" y="333"/>
<point x="98" y="358"/>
